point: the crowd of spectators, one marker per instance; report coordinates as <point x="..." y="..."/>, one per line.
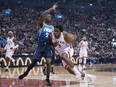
<point x="99" y="26"/>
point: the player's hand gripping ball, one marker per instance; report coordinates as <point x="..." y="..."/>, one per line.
<point x="69" y="38"/>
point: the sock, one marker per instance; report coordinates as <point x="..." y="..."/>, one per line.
<point x="47" y="77"/>
<point x="75" y="70"/>
<point x="7" y="67"/>
<point x="80" y="68"/>
<point x="77" y="73"/>
<point x="84" y="61"/>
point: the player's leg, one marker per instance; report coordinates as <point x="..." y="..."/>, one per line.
<point x="51" y="70"/>
<point x="89" y="76"/>
<point x="34" y="62"/>
<point x="37" y="57"/>
<point x="72" y="72"/>
<point x="80" y="64"/>
<point x="44" y="69"/>
<point x="84" y="56"/>
<point x="84" y="63"/>
<point x="9" y="58"/>
<point x="52" y="62"/>
<point x="48" y="56"/>
<point x="7" y="63"/>
<point x="72" y="69"/>
<point x="80" y="61"/>
<point x="48" y="67"/>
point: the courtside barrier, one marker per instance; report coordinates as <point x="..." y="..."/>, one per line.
<point x="25" y="60"/>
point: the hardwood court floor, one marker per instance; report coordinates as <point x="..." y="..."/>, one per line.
<point x="106" y="77"/>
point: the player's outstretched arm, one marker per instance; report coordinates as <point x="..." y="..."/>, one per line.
<point x="43" y="15"/>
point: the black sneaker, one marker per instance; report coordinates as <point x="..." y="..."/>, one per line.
<point x="83" y="76"/>
<point x="23" y="75"/>
<point x="53" y="72"/>
<point x="48" y="83"/>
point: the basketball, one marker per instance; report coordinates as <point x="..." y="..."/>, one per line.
<point x="69" y="38"/>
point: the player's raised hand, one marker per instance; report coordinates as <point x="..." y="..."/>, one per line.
<point x="55" y="6"/>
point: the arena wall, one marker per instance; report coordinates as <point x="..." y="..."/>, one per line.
<point x="24" y="60"/>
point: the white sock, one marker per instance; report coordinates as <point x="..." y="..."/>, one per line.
<point x="84" y="61"/>
<point x="91" y="64"/>
<point x="80" y="67"/>
<point x="77" y="73"/>
<point x="75" y="70"/>
<point x="7" y="67"/>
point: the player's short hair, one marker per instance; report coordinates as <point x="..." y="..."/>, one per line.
<point x="10" y="32"/>
<point x="84" y="38"/>
<point x="59" y="27"/>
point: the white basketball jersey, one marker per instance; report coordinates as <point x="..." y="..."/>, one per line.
<point x="10" y="43"/>
<point x="62" y="44"/>
<point x="84" y="46"/>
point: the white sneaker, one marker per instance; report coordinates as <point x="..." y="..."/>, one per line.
<point x="91" y="78"/>
<point x="78" y="76"/>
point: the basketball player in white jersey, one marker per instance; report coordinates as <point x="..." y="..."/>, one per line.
<point x="63" y="45"/>
<point x="65" y="49"/>
<point x="10" y="49"/>
<point x="83" y="53"/>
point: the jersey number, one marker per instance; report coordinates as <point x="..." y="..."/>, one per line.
<point x="47" y="35"/>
